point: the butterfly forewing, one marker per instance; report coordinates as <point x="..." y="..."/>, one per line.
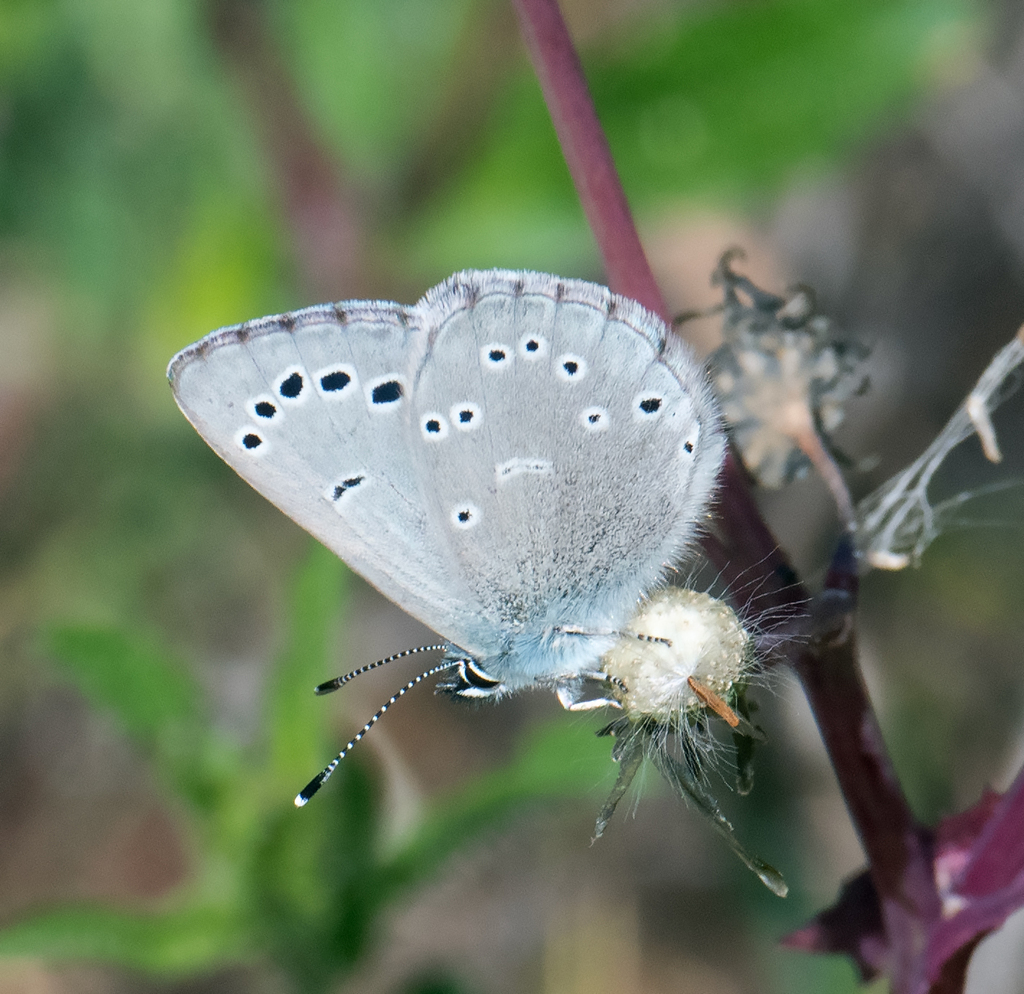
<point x="311" y="409"/>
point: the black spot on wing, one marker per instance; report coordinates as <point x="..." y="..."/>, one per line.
<point x="335" y="381"/>
<point x="350" y="484"/>
<point x="291" y="386"/>
<point x="386" y="393"/>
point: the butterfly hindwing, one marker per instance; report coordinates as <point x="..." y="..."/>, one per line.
<point x="572" y="487"/>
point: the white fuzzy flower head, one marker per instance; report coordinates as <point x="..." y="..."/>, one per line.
<point x="683" y="659"/>
<point x="684" y="645"/>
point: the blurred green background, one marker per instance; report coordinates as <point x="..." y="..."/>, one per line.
<point x="170" y="166"/>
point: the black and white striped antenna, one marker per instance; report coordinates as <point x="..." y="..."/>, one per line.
<point x="340" y="681"/>
<point x="307" y="792"/>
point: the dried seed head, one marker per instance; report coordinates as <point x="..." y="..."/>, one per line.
<point x="781" y="377"/>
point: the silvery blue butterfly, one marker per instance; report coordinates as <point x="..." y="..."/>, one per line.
<point x="516" y="460"/>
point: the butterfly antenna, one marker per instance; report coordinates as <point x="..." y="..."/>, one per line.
<point x="304" y="795"/>
<point x="339" y="681"/>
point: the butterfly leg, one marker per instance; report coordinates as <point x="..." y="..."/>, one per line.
<point x="570" y="691"/>
<point x="574" y="630"/>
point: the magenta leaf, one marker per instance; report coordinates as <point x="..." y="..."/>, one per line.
<point x="853" y="925"/>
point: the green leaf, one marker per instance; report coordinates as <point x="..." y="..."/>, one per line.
<point x="712" y="103"/>
<point x="314" y="880"/>
<point x="373" y="71"/>
<point x="185" y="940"/>
<point x="155" y="702"/>
<point x="564" y="759"/>
<point x="150" y="695"/>
<point x="117" y="122"/>
<point x="297" y="719"/>
<point x="731" y="103"/>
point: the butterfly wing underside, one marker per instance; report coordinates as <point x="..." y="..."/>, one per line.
<point x="310" y="409"/>
<point x="589" y="454"/>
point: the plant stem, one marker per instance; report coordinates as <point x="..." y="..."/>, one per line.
<point x="586" y="152"/>
<point x="898" y="847"/>
<point x="743" y="548"/>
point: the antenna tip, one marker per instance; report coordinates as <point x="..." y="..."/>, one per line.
<point x="303" y="797"/>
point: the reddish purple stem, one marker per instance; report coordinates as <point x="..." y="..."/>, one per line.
<point x="586" y="152"/>
<point x="898" y="847"/>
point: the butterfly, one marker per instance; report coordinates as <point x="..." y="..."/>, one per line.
<point x="516" y="461"/>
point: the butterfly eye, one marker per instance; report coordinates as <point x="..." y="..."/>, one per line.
<point x="336" y="491"/>
<point x="264" y="409"/>
<point x="690" y="440"/>
<point x="336" y="382"/>
<point x="251" y="442"/>
<point x="648" y="406"/>
<point x="333" y="382"/>
<point x="385" y="392"/>
<point x="533" y="347"/>
<point x="465" y="516"/>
